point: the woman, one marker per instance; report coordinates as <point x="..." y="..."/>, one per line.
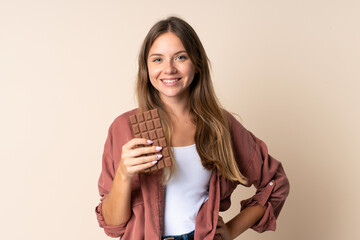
<point x="211" y="150"/>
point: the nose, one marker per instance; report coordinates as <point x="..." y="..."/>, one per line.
<point x="170" y="67"/>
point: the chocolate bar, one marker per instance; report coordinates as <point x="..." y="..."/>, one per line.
<point x="148" y="125"/>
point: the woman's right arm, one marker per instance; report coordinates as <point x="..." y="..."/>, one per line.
<point x="116" y="207"/>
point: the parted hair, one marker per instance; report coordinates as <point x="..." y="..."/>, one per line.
<point x="212" y="136"/>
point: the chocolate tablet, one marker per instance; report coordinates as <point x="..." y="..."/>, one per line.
<point x="148" y="125"/>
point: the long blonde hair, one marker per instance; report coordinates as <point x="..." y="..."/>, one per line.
<point x="212" y="136"/>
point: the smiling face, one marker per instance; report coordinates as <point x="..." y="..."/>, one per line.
<point x="170" y="68"/>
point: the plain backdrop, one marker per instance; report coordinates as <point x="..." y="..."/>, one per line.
<point x="290" y="69"/>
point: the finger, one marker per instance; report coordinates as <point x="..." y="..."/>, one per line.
<point x="220" y="222"/>
<point x="142" y="160"/>
<point x="138" y="168"/>
<point x="137" y="141"/>
<point x="144" y="150"/>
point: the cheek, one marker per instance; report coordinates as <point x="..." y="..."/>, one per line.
<point x="153" y="72"/>
<point x="153" y="75"/>
<point x="189" y="71"/>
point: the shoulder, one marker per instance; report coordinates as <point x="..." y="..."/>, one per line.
<point x="244" y="142"/>
<point x="234" y="124"/>
<point x="123" y="119"/>
<point x="120" y="129"/>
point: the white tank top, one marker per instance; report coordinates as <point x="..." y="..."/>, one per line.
<point x="186" y="191"/>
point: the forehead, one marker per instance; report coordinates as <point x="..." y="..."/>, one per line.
<point x="166" y="43"/>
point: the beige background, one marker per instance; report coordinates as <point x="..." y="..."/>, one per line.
<point x="290" y="69"/>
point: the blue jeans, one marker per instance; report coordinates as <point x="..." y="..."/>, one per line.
<point x="188" y="236"/>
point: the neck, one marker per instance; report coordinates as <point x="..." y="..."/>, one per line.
<point x="177" y="107"/>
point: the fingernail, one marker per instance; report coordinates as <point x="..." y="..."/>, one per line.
<point x="149" y="141"/>
<point x="158" y="156"/>
<point x="158" y="148"/>
<point x="153" y="162"/>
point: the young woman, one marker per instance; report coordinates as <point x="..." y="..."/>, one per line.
<point x="211" y="150"/>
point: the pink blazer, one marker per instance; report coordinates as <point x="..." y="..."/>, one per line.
<point x="147" y="197"/>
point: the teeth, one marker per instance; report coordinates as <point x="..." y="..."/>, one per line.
<point x="171" y="80"/>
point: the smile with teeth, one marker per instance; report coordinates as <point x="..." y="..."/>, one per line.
<point x="170" y="80"/>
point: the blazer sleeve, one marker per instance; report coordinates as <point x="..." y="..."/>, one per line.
<point x="106" y="179"/>
<point x="261" y="170"/>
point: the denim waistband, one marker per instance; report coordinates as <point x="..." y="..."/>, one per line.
<point x="188" y="236"/>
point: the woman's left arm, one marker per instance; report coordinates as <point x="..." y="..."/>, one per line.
<point x="265" y="173"/>
<point x="240" y="223"/>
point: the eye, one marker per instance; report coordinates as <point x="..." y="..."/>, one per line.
<point x="156" y="60"/>
<point x="181" y="57"/>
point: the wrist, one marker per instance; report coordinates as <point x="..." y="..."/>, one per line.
<point x="229" y="229"/>
<point x="122" y="177"/>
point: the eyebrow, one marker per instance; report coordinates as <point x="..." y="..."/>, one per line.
<point x="158" y="54"/>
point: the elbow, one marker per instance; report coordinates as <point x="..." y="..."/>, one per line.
<point x="112" y="219"/>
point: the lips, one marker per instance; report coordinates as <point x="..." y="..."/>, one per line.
<point x="170" y="80"/>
